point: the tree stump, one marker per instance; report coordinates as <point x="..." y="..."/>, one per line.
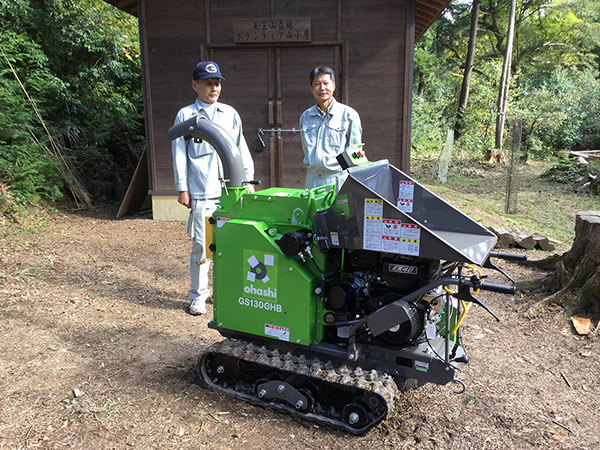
<point x="576" y="279"/>
<point x="494" y="156"/>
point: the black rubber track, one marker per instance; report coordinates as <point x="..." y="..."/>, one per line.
<point x="234" y="366"/>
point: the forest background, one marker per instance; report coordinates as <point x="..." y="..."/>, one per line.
<point x="71" y="107"/>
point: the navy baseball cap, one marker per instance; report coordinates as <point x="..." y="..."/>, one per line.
<point x="207" y="69"/>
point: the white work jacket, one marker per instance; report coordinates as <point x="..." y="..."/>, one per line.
<point x="196" y="165"/>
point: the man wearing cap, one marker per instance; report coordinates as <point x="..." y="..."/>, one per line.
<point x="197" y="171"/>
<point x="327" y="129"/>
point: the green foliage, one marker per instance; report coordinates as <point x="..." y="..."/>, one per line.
<point x="561" y="113"/>
<point x="78" y="61"/>
<point x="551" y="114"/>
<point x="427" y="134"/>
<point x="433" y="94"/>
<point x="23" y="161"/>
<point x="480" y="120"/>
<point x="565" y="172"/>
<point x="554" y="90"/>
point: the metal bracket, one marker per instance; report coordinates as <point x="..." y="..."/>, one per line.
<point x="275" y="131"/>
<point x="269" y="390"/>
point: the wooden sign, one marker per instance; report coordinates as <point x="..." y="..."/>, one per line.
<point x="255" y="31"/>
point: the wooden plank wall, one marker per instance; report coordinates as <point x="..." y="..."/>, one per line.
<point x="376" y="47"/>
<point x="380" y="74"/>
<point x="173" y="35"/>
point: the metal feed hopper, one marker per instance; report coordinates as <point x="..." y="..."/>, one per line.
<point x="380" y="208"/>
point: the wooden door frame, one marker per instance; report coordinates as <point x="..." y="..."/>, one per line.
<point x="275" y="115"/>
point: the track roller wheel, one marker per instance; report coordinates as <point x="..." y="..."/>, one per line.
<point x="311" y="401"/>
<point x="374" y="402"/>
<point x="314" y="389"/>
<point x="200" y="370"/>
<point x="224" y="368"/>
<point x="355" y="415"/>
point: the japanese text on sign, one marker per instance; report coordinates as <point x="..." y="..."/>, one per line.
<point x="253" y="31"/>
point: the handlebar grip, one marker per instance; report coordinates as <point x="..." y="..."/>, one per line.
<point x="501" y="288"/>
<point x="516" y="256"/>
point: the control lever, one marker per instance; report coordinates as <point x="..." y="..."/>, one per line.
<point x="464" y="291"/>
<point x="508" y="256"/>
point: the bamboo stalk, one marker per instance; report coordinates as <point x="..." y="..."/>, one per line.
<point x="79" y="193"/>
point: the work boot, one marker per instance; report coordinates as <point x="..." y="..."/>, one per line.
<point x="198" y="306"/>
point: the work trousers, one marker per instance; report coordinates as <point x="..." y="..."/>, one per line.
<point x="199" y="265"/>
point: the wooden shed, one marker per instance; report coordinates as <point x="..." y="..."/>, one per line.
<point x="266" y="50"/>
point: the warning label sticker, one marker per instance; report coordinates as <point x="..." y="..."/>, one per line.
<point x="406" y="195"/>
<point x="335" y="240"/>
<point x="372" y="224"/>
<point x="281" y="333"/>
<point x="390" y="236"/>
<point x="410" y="237"/>
<point x="373" y="207"/>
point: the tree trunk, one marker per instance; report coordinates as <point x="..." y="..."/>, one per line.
<point x="576" y="279"/>
<point x="421" y="86"/>
<point x="466" y="82"/>
<point x="504" y="80"/>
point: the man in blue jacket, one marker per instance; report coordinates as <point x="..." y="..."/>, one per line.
<point x="327" y="129"/>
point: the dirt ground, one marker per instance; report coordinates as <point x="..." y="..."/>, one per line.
<point x="98" y="351"/>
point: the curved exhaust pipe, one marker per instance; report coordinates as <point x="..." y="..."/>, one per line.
<point x="201" y="127"/>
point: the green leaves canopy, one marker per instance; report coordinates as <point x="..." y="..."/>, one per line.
<point x="554" y="83"/>
<point x="79" y="62"/>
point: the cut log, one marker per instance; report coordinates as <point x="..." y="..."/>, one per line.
<point x="525" y="240"/>
<point x="505" y="238"/>
<point x="583" y="325"/>
<point x="522" y="239"/>
<point x="587" y="155"/>
<point x="543" y="243"/>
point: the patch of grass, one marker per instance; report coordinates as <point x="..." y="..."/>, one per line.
<point x="471" y="398"/>
<point x="35" y="226"/>
<point x="478" y="189"/>
<point x="30" y="272"/>
<point x="29" y="218"/>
